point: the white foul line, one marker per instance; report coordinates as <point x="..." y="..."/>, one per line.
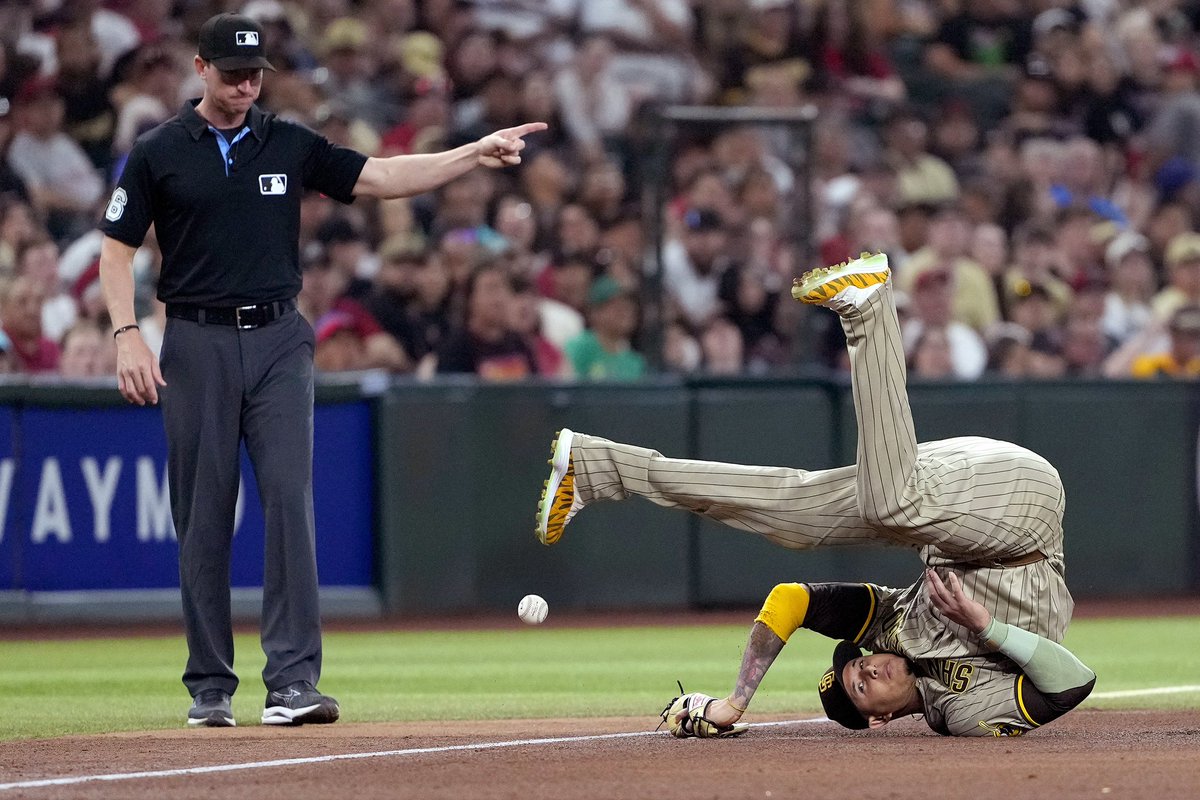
<point x="1143" y="692"/>
<point x="288" y="762"/>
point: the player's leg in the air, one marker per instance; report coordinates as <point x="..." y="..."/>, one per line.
<point x="861" y="294"/>
<point x="791" y="507"/>
<point x="969" y="497"/>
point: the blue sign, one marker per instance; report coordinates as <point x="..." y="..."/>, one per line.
<point x="84" y="501"/>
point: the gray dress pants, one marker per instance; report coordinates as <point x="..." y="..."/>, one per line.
<point x="225" y="386"/>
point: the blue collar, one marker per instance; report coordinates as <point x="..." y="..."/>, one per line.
<point x="196" y="125"/>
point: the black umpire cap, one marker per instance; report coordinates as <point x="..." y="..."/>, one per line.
<point x="233" y="41"/>
<point x="837" y="704"/>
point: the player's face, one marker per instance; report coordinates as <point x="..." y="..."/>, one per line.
<point x="880" y="684"/>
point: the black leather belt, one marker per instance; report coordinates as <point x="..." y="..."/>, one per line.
<point x="244" y="317"/>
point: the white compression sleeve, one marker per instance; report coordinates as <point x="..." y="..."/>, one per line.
<point x="1050" y="666"/>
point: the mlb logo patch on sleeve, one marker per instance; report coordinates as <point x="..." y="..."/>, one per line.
<point x="272" y="184"/>
<point x="247" y="38"/>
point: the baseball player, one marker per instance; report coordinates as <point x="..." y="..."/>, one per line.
<point x="222" y="182"/>
<point x="973" y="645"/>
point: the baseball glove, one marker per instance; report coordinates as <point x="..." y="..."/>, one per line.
<point x="693" y="722"/>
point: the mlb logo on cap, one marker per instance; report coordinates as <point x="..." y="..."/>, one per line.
<point x="232" y="42"/>
<point x="272" y="184"/>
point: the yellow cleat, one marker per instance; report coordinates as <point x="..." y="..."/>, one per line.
<point x="559" y="501"/>
<point x="850" y="282"/>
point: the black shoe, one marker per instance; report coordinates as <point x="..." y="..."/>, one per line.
<point x="299" y="703"/>
<point x="211" y="708"/>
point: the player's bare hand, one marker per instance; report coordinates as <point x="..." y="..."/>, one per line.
<point x="503" y="148"/>
<point x="949" y="598"/>
<point x="721" y="712"/>
<point x="138" y="375"/>
<point x="696" y="714"/>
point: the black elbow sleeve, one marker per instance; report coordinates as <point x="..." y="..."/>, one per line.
<point x="1038" y="707"/>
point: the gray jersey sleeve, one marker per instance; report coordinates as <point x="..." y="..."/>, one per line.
<point x="970" y="697"/>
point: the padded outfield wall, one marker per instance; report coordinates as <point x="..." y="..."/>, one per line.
<point x="463" y="465"/>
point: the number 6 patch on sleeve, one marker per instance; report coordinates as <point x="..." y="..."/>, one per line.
<point x="116" y="206"/>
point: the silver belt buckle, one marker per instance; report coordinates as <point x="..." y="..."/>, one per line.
<point x="237" y="313"/>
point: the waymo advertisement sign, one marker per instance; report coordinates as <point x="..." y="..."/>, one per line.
<point x="84" y="502"/>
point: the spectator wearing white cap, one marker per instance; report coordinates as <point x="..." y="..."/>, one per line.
<point x="1131" y="284"/>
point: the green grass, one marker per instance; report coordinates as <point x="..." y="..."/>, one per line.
<point x="54" y="688"/>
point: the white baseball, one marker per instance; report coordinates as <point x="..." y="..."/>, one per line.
<point x="533" y="609"/>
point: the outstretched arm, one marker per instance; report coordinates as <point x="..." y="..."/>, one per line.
<point x="836" y="610"/>
<point x="403" y="176"/>
<point x="1060" y="680"/>
<point x="761" y="650"/>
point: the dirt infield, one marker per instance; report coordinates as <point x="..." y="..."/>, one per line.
<point x="1087" y="754"/>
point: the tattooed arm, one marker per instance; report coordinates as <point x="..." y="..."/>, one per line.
<point x="761" y="650"/>
<point x="837" y="610"/>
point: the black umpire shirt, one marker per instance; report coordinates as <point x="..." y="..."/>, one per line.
<point x="229" y="232"/>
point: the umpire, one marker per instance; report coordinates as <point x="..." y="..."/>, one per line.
<point x="222" y="183"/>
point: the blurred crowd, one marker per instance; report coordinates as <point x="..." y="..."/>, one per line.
<point x="1031" y="168"/>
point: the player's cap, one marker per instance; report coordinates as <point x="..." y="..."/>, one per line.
<point x="834" y="699"/>
<point x="234" y="41"/>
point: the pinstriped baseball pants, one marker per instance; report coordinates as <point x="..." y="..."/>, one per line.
<point x="961" y="500"/>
